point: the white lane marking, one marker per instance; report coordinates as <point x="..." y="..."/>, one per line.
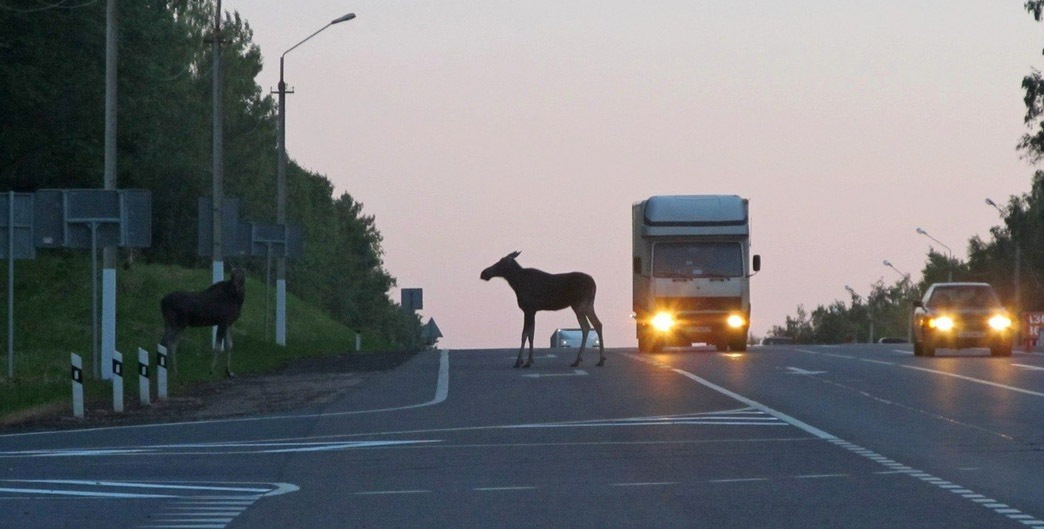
<point x="501" y="489"/>
<point x="441" y="394"/>
<point x="743" y="417"/>
<point x="1034" y="368"/>
<point x="246" y="447"/>
<point x="937" y="372"/>
<point x="390" y="492"/>
<point x="575" y="373"/>
<point x="737" y="480"/>
<point x="342" y="446"/>
<point x="976" y="380"/>
<point x="799" y="371"/>
<point x="85" y="494"/>
<point x="138" y="485"/>
<point x="997" y="507"/>
<point x="645" y="484"/>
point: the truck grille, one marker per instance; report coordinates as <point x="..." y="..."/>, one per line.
<point x="722" y="304"/>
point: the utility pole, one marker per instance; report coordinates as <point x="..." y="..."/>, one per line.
<point x="108" y="324"/>
<point x="218" y="265"/>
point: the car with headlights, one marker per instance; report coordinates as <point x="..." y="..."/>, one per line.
<point x="961" y="315"/>
<point x="570" y="338"/>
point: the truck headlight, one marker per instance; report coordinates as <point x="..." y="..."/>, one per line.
<point x="735" y="321"/>
<point x="662" y="321"/>
<point x="943" y="323"/>
<point x="1000" y="322"/>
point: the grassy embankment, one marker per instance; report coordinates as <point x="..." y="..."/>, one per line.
<point x="52" y="311"/>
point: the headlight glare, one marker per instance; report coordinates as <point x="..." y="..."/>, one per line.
<point x="1000" y="322"/>
<point x="662" y="321"/>
<point x="943" y="323"/>
<point x="735" y="321"/>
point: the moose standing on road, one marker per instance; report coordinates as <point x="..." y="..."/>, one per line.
<point x="220" y="305"/>
<point x="539" y="290"/>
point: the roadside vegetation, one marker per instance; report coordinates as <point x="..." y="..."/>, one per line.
<point x="53" y="319"/>
<point x="52" y="74"/>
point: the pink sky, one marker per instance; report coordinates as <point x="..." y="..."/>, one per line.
<point x="473" y="128"/>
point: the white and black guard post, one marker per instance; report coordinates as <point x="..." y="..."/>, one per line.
<point x="143" y="376"/>
<point x="117" y="382"/>
<point x="161" y="372"/>
<point x="77" y="385"/>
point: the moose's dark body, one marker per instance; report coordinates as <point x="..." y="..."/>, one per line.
<point x="218" y="305"/>
<point x="537" y="290"/>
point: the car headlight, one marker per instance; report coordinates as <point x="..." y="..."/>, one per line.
<point x="1000" y="322"/>
<point x="735" y="321"/>
<point x="662" y="321"/>
<point x="943" y="323"/>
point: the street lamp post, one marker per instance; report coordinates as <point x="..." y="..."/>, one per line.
<point x="949" y="262"/>
<point x="280" y="326"/>
<point x="1017" y="297"/>
<point x="869" y="310"/>
<point x="906" y="280"/>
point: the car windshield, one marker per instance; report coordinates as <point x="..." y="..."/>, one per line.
<point x="964" y="296"/>
<point x="707" y="259"/>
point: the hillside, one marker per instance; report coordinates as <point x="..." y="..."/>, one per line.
<point x="53" y="319"/>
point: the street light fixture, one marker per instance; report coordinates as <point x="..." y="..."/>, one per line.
<point x="906" y="280"/>
<point x="869" y="310"/>
<point x="949" y="273"/>
<point x="280" y="329"/>
<point x="906" y="277"/>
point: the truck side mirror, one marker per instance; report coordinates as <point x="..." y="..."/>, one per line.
<point x="757" y="263"/>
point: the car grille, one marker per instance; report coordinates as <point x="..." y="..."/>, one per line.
<point x="722" y="304"/>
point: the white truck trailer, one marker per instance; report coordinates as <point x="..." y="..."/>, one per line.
<point x="692" y="269"/>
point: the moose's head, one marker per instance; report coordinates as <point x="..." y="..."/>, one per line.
<point x="502" y="267"/>
<point x="239" y="280"/>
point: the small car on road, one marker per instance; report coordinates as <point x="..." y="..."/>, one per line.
<point x="961" y="315"/>
<point x="572" y="337"/>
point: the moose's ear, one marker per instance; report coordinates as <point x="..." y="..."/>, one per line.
<point x="514" y="254"/>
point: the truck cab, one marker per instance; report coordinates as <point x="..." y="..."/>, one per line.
<point x="691" y="270"/>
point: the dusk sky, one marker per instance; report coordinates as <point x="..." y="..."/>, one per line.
<point x="471" y="129"/>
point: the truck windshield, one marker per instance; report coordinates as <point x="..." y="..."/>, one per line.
<point x="706" y="259"/>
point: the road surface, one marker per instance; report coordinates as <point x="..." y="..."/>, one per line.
<point x="855" y="436"/>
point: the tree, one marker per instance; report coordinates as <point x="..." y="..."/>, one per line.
<point x="52" y="60"/>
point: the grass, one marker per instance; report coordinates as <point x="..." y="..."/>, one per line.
<point x="52" y="318"/>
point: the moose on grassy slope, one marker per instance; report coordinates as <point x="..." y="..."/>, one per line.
<point x="539" y="290"/>
<point x="218" y="305"/>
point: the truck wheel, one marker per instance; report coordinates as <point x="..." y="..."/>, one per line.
<point x="918" y="348"/>
<point x="648" y="344"/>
<point x="738" y="345"/>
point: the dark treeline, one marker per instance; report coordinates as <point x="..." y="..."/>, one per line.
<point x="886" y="309"/>
<point x="52" y="101"/>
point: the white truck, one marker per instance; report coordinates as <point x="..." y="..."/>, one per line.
<point x="692" y="269"/>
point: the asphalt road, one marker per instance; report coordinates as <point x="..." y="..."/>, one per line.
<point x="862" y="436"/>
